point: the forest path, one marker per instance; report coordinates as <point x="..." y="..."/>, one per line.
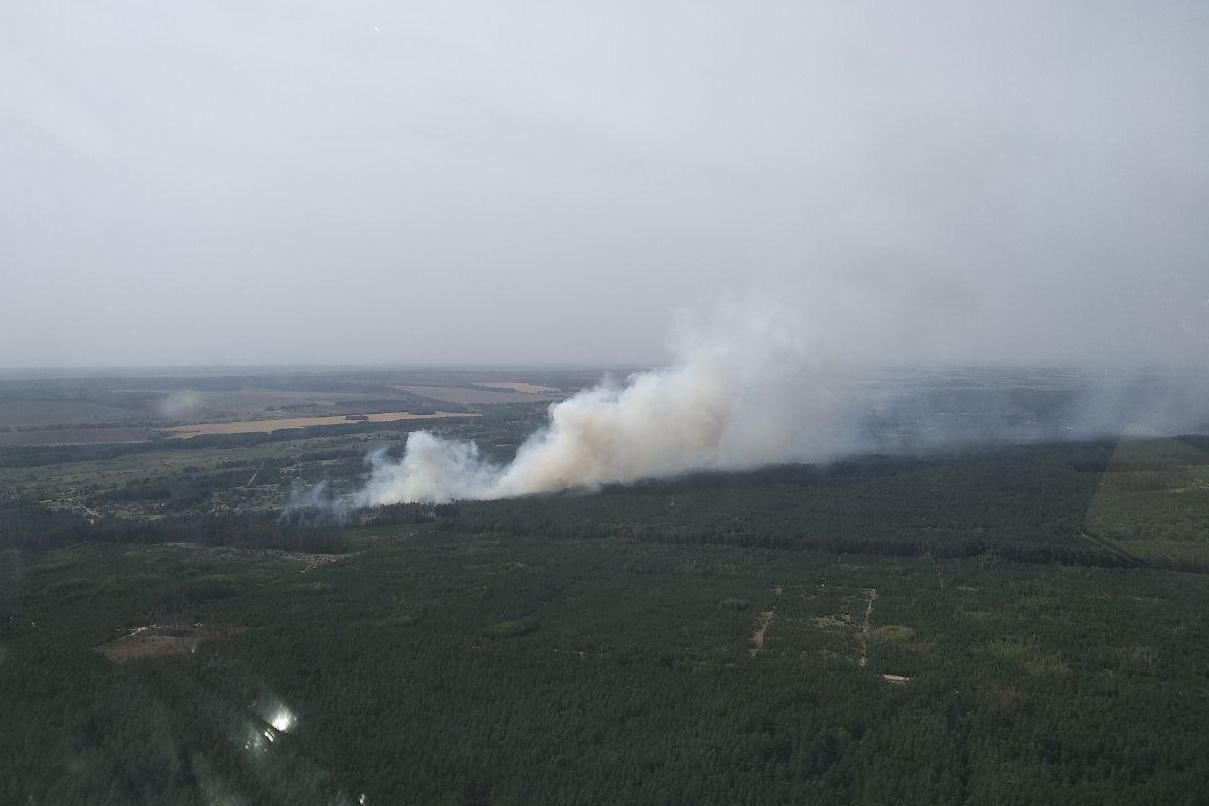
<point x="765" y="621"/>
<point x="252" y="480"/>
<point x="1117" y="552"/>
<point x="870" y="598"/>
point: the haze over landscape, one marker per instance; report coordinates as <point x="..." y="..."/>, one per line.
<point x="650" y="402"/>
<point x="473" y="183"/>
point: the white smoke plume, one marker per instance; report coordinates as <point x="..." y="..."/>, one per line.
<point x="743" y="391"/>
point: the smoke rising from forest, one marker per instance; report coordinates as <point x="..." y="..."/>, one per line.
<point x="743" y="391"/>
<point x="756" y="385"/>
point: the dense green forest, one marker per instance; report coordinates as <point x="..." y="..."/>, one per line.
<point x="436" y="667"/>
<point x="1018" y="625"/>
<point x="1093" y="503"/>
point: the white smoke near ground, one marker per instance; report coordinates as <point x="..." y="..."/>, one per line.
<point x="179" y="404"/>
<point x="744" y="390"/>
<point x="758" y="384"/>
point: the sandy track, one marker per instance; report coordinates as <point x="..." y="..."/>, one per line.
<point x="762" y="625"/>
<point x="870" y="598"/>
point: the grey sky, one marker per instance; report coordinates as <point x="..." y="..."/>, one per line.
<point x="427" y="182"/>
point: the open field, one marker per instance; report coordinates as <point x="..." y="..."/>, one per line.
<point x="42" y="412"/>
<point x="478" y="397"/>
<point x="46" y="410"/>
<point x="74" y="436"/>
<point x="267" y="426"/>
<point x="522" y="387"/>
<point x="243" y="471"/>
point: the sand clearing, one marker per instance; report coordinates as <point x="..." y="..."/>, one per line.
<point x="757" y="638"/>
<point x="761" y="633"/>
<point x="871" y="597"/>
<point x="156" y="640"/>
<point x="265" y="426"/>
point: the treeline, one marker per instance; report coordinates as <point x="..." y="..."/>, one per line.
<point x="36" y="528"/>
<point x="384" y="515"/>
<point x="906" y="545"/>
<point x="1020" y="504"/>
<point x="310" y="529"/>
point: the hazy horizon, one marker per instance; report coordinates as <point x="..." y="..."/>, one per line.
<point x="219" y="370"/>
<point x="429" y="184"/>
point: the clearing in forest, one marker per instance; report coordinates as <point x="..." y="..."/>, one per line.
<point x="155" y="640"/>
<point x="843" y="616"/>
<point x="870" y="598"/>
<point x="762" y="625"/>
<point x="309" y="560"/>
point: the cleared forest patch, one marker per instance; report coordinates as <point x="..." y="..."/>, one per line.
<point x="156" y="640"/>
<point x="757" y="638"/>
<point x="765" y="621"/>
<point x="309" y="561"/>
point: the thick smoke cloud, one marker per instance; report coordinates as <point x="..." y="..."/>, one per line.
<point x="744" y="391"/>
<point x="757" y="384"/>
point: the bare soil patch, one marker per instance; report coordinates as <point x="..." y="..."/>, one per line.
<point x="156" y="640"/>
<point x="762" y="625"/>
<point x="757" y="638"/>
<point x="870" y="597"/>
<point x="266" y="426"/>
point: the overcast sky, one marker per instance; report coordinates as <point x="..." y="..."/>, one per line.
<point x="474" y="182"/>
